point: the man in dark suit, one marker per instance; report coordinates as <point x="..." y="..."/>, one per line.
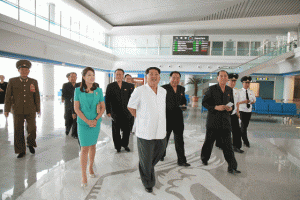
<point x="68" y="98"/>
<point x="116" y="100"/>
<point x="23" y="95"/>
<point x="128" y="79"/>
<point x="174" y="100"/>
<point x="217" y="101"/>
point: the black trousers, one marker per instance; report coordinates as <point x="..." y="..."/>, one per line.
<point x="131" y="122"/>
<point x="236" y="131"/>
<point x="121" y="123"/>
<point x="150" y="152"/>
<point x="225" y="138"/>
<point x="74" y="132"/>
<point x="179" y="143"/>
<point x="68" y="120"/>
<point x="245" y="118"/>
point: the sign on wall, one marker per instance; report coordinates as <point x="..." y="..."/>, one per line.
<point x="190" y="45"/>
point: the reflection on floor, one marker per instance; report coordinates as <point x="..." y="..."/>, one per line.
<point x="270" y="168"/>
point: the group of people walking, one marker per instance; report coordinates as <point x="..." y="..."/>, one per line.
<point x="156" y="113"/>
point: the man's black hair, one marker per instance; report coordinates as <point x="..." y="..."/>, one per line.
<point x="222" y="71"/>
<point x="119" y="69"/>
<point x="175" y="72"/>
<point x="147" y="70"/>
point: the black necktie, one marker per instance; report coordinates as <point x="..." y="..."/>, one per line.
<point x="247" y="97"/>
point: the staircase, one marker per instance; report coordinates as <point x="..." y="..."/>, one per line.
<point x="248" y="68"/>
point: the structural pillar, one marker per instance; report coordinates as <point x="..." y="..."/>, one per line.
<point x="288" y="91"/>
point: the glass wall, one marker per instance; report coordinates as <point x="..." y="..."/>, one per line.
<point x="230" y="48"/>
<point x="243" y="48"/>
<point x="57" y="17"/>
<point x="217" y="49"/>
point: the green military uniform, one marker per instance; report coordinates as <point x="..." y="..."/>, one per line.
<point x="22" y="95"/>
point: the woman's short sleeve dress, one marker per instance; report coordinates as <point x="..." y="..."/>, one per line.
<point x="88" y="136"/>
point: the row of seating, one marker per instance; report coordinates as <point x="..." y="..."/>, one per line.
<point x="270" y="107"/>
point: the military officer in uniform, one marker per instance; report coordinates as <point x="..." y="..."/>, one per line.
<point x="236" y="130"/>
<point x="23" y="94"/>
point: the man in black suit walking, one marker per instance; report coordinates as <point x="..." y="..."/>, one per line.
<point x="118" y="94"/>
<point x="67" y="98"/>
<point x="217" y="101"/>
<point x="175" y="98"/>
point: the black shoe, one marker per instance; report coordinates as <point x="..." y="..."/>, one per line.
<point x="21" y="155"/>
<point x="118" y="150"/>
<point x="162" y="159"/>
<point x="31" y="149"/>
<point x="127" y="149"/>
<point x="184" y="164"/>
<point x="237" y="150"/>
<point x="233" y="171"/>
<point x="75" y="137"/>
<point x="149" y="190"/>
<point x="67" y="133"/>
<point x="204" y="162"/>
<point x="247" y="145"/>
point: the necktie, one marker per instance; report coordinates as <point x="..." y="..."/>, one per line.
<point x="247" y="97"/>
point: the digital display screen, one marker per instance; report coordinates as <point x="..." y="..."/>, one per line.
<point x="190" y="45"/>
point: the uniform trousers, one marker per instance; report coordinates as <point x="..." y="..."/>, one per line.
<point x="225" y="138"/>
<point x="19" y="137"/>
<point x="150" y="152"/>
<point x="179" y="143"/>
<point x="245" y="118"/>
<point x="121" y="123"/>
<point x="236" y="131"/>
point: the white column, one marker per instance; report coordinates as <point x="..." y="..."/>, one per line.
<point x="288" y="91"/>
<point x="48" y="84"/>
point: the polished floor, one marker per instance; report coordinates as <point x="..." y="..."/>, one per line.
<point x="270" y="168"/>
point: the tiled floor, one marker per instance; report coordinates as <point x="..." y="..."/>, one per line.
<point x="270" y="168"/>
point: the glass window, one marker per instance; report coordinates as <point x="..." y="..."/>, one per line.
<point x="65" y="25"/>
<point x="42" y="14"/>
<point x="217" y="49"/>
<point x="243" y="48"/>
<point x="9" y="8"/>
<point x="54" y="18"/>
<point x="27" y="11"/>
<point x="229" y="49"/>
<point x="75" y="29"/>
<point x="255" y="48"/>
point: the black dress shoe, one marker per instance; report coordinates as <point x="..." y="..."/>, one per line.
<point x="118" y="150"/>
<point x="234" y="171"/>
<point x="238" y="150"/>
<point x="184" y="164"/>
<point x="31" y="149"/>
<point x="204" y="162"/>
<point x="127" y="149"/>
<point x="149" y="190"/>
<point x="247" y="145"/>
<point x="162" y="159"/>
<point x="21" y="155"/>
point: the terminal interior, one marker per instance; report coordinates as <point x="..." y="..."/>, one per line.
<point x="259" y="38"/>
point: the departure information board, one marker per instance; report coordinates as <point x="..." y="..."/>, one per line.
<point x="190" y="45"/>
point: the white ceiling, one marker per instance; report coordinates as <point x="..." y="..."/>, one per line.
<point x="151" y="12"/>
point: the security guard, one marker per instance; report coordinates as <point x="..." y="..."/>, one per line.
<point x="247" y="98"/>
<point x="22" y="95"/>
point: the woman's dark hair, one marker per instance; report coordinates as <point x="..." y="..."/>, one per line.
<point x="150" y="68"/>
<point x="83" y="84"/>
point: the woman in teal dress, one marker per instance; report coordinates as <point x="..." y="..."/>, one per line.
<point x="89" y="107"/>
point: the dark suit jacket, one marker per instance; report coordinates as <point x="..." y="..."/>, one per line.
<point x="68" y="94"/>
<point x="3" y="86"/>
<point x="116" y="100"/>
<point x="218" y="120"/>
<point x="173" y="101"/>
<point x="19" y="95"/>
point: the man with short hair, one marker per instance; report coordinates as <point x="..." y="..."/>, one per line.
<point x="23" y="94"/>
<point x="68" y="98"/>
<point x="218" y="100"/>
<point x="116" y="100"/>
<point x="148" y="105"/>
<point x="175" y="99"/>
<point x="3" y="86"/>
<point x="128" y="78"/>
<point x="247" y="98"/>
<point x="236" y="130"/>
